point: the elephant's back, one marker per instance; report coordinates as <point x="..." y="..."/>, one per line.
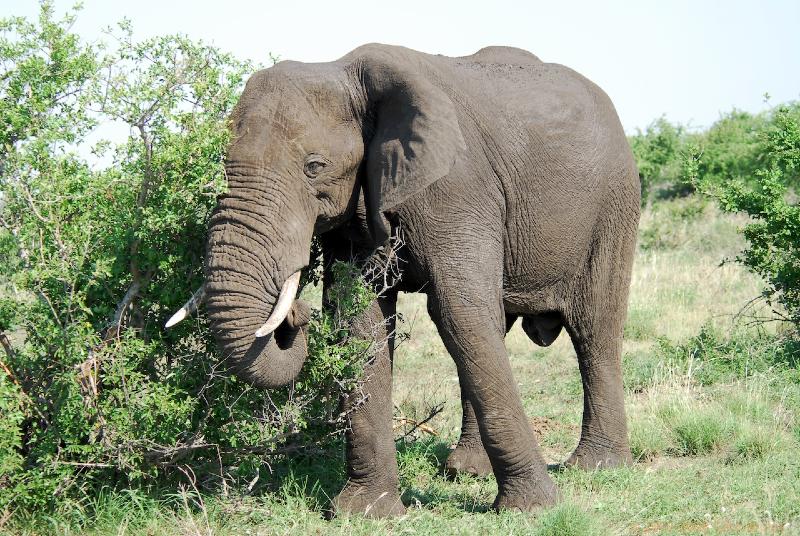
<point x="554" y="139"/>
<point x="553" y="104"/>
<point x="545" y="113"/>
<point x="498" y="55"/>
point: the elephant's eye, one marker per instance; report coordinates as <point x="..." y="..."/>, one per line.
<point x="313" y="167"/>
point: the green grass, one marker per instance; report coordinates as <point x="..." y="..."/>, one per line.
<point x="713" y="408"/>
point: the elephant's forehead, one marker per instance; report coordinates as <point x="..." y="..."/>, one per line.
<point x="279" y="120"/>
<point x="280" y="127"/>
<point x="255" y="118"/>
<point x="289" y="114"/>
<point x="315" y="89"/>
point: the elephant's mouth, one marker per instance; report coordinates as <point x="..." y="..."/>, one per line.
<point x="272" y="360"/>
<point x="299" y="316"/>
<point x="283" y="307"/>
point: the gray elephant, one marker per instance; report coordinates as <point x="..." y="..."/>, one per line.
<point x="517" y="196"/>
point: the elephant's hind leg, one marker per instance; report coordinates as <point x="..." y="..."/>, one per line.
<point x="469" y="456"/>
<point x="595" y="325"/>
<point x="469" y="316"/>
<point x="604" y="433"/>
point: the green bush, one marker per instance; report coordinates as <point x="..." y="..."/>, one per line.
<point x="98" y="253"/>
<point x="733" y="148"/>
<point x="780" y="143"/>
<point x="774" y="234"/>
<point x="12" y="413"/>
<point x="657" y="152"/>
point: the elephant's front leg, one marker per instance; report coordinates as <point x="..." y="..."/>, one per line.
<point x="372" y="486"/>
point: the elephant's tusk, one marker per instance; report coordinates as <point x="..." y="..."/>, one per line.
<point x="283" y="306"/>
<point x="188" y="308"/>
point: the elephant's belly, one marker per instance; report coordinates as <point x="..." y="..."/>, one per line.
<point x="522" y="300"/>
<point x="543" y="260"/>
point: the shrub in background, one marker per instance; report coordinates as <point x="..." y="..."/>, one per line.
<point x="773" y="237"/>
<point x="732" y="149"/>
<point x="656" y="151"/>
<point x="731" y="146"/>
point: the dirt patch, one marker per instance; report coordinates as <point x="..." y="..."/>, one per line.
<point x="556" y="449"/>
<point x="543" y="426"/>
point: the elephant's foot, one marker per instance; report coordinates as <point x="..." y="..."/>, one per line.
<point x="527" y="494"/>
<point x="374" y="502"/>
<point x="473" y="461"/>
<point x="591" y="458"/>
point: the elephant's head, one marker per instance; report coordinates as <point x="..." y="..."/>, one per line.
<point x="306" y="138"/>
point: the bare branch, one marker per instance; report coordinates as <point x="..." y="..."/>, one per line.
<point x="32" y="204"/>
<point x="87" y="465"/>
<point x="382" y="269"/>
<point x="421" y="424"/>
<point x="6" y="344"/>
<point x="46" y="299"/>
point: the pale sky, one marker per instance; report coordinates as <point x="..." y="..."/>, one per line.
<point x="690" y="60"/>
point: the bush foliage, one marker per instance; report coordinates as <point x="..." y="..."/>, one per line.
<point x="656" y="151"/>
<point x="773" y="234"/>
<point x="748" y="163"/>
<point x="733" y="148"/>
<point x="100" y="243"/>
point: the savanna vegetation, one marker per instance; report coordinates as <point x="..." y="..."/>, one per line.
<point x="110" y="424"/>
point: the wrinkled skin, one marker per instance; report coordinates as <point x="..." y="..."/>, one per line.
<point x="517" y="196"/>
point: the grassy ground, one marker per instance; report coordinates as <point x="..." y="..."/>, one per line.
<point x="714" y="413"/>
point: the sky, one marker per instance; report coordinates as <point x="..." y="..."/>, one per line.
<point x="688" y="60"/>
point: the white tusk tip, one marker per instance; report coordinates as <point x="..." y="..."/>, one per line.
<point x="263" y="332"/>
<point x="177" y="317"/>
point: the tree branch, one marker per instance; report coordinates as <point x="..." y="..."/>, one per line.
<point x="116" y="321"/>
<point x="6" y="344"/>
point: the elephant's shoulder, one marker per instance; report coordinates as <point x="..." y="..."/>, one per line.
<point x="508" y="55"/>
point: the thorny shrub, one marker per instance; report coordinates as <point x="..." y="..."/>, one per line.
<point x="100" y="243"/>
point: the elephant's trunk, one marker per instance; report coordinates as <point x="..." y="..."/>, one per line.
<point x="255" y="245"/>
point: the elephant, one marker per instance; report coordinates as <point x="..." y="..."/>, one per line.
<point x="517" y="196"/>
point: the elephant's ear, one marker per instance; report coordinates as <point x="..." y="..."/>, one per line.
<point x="416" y="137"/>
